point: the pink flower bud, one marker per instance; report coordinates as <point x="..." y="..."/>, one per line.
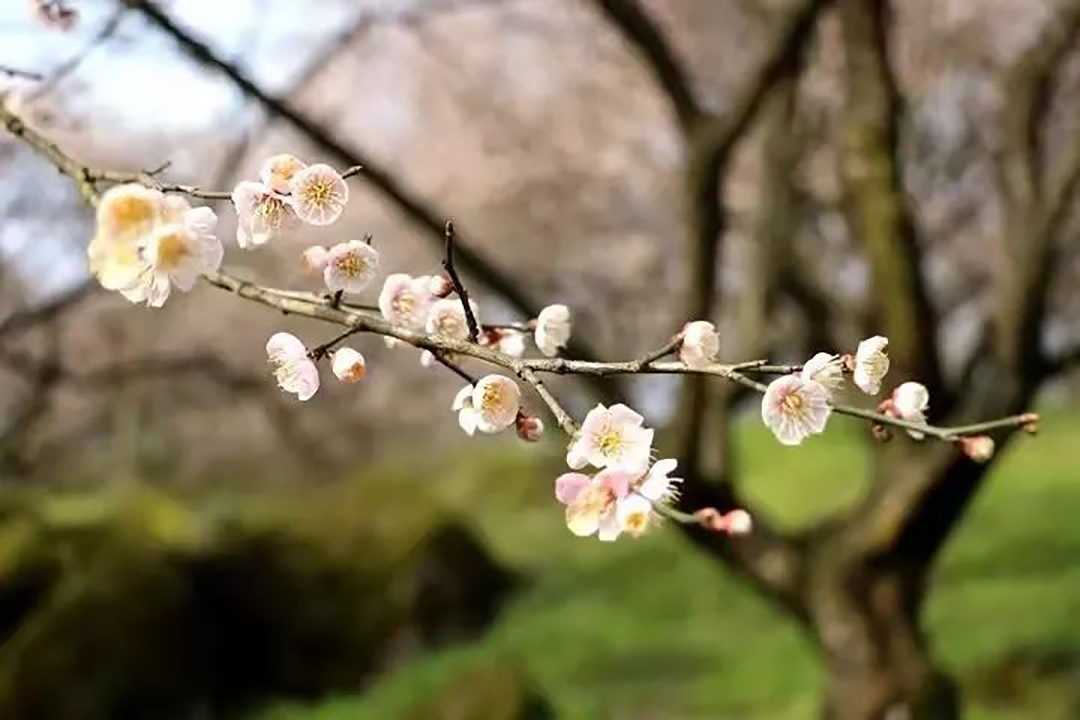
<point x="529" y="427"/>
<point x="979" y="448"/>
<point x="735" y="522"/>
<point x="441" y="286"/>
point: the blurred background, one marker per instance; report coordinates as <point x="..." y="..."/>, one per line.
<point x="178" y="539"/>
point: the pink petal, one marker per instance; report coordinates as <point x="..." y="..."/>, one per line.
<point x="569" y="485"/>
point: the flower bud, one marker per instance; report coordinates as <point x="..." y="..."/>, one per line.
<point x="735" y="522"/>
<point x="529" y="427"/>
<point x="441" y="286"/>
<point x="314" y="258"/>
<point x="979" y="448"/>
<point x="349" y="365"/>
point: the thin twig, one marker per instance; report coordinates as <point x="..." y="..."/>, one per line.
<point x="649" y="358"/>
<point x="459" y="287"/>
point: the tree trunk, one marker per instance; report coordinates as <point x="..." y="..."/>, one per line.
<point x="878" y="665"/>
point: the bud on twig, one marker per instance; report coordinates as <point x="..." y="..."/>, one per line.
<point x="735" y="522"/>
<point x="979" y="448"/>
<point x="441" y="286"/>
<point x="529" y="427"/>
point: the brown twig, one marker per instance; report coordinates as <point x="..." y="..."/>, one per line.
<point x="459" y="287"/>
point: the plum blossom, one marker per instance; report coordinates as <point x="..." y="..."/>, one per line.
<point x="794" y="407"/>
<point x="552" y="329"/>
<point x="126" y="214"/>
<point x="177" y="253"/>
<point x="295" y="371"/>
<point x="592" y="503"/>
<point x="261" y="214"/>
<point x="278" y="171"/>
<point x="700" y="344"/>
<point x="637" y="511"/>
<point x="910" y="402"/>
<point x="318" y="194"/>
<point x="496" y="400"/>
<point x="349" y="365"/>
<point x="350" y="266"/>
<point x="871" y="364"/>
<point x="611" y="437"/>
<point x="440" y="286"/>
<point x="446" y="319"/>
<point x="467" y="414"/>
<point x="826" y="369"/>
<point x="405" y="300"/>
<point x="314" y="258"/>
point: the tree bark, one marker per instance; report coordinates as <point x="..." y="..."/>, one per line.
<point x="877" y="661"/>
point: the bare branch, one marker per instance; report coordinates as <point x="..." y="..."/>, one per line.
<point x="413" y="208"/>
<point x="459" y="287"/>
<point x="642" y="32"/>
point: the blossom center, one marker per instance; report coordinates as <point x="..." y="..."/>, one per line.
<point x="171" y="249"/>
<point x="793" y="403"/>
<point x="319" y="192"/>
<point x="636" y="522"/>
<point x="270" y="210"/>
<point x="351" y="264"/>
<point x="610" y="442"/>
<point x="129" y="212"/>
<point x="492" y="397"/>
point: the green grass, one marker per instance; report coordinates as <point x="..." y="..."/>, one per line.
<point x="652" y="629"/>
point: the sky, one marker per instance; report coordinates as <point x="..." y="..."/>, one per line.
<point x="138" y="79"/>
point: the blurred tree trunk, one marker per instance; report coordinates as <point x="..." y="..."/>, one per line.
<point x="878" y="665"/>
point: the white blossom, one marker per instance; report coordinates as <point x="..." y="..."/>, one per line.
<point x="446" y="319"/>
<point x="295" y="371"/>
<point x="278" y="171"/>
<point x="405" y="300"/>
<point x="871" y="364"/>
<point x="314" y="258"/>
<point x="495" y="400"/>
<point x="318" y="194"/>
<point x="552" y="329"/>
<point x="350" y="266"/>
<point x="700" y="344"/>
<point x="463" y="406"/>
<point x="911" y="400"/>
<point x="261" y="214"/>
<point x="794" y="407"/>
<point x="349" y="365"/>
<point x="177" y="253"/>
<point x="611" y="437"/>
<point x="126" y="215"/>
<point x="826" y="369"/>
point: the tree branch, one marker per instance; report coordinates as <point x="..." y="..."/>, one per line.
<point x="640" y="31"/>
<point x="389" y="187"/>
<point x="877" y="204"/>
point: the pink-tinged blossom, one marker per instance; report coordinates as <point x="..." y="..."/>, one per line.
<point x="637" y="512"/>
<point x="794" y="408"/>
<point x="440" y="286"/>
<point x="826" y="369"/>
<point x="318" y="194"/>
<point x="505" y="340"/>
<point x="871" y="364"/>
<point x="405" y="300"/>
<point x="495" y="400"/>
<point x="611" y="437"/>
<point x="553" y="327"/>
<point x="910" y="401"/>
<point x="314" y="258"/>
<point x="592" y="503"/>
<point x="350" y="266"/>
<point x="261" y="214"/>
<point x="349" y="365"/>
<point x="278" y="171"/>
<point x="700" y="344"/>
<point x="295" y="371"/>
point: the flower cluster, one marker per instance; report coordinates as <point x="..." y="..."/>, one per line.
<point x="147" y="242"/>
